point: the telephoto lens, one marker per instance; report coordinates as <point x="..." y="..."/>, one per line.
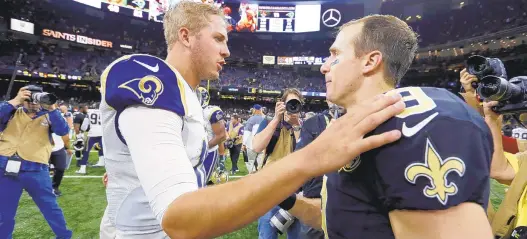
<point x="478" y="66"/>
<point x="499" y="89"/>
<point x="282" y="220"/>
<point x="44" y="98"/>
<point x="481" y="66"/>
<point x="293" y="106"/>
<point x="34" y="90"/>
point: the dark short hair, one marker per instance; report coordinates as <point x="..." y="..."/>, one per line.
<point x="237" y="117"/>
<point x="392" y="37"/>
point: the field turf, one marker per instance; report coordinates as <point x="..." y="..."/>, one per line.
<point x="83" y="201"/>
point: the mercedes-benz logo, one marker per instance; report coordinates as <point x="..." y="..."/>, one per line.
<point x="331" y="17"/>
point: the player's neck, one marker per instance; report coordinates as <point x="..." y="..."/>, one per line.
<point x="369" y="89"/>
<point x="183" y="66"/>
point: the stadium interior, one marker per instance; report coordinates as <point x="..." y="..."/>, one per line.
<point x="64" y="46"/>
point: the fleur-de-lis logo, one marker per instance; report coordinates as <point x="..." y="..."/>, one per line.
<point x="351" y="166"/>
<point x="436" y="170"/>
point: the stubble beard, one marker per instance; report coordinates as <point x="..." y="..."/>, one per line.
<point x="200" y="62"/>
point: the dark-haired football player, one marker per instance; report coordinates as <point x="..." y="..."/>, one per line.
<point x="434" y="181"/>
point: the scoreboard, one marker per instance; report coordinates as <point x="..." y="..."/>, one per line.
<point x="135" y="8"/>
<point x="300" y="60"/>
<point x="276" y="18"/>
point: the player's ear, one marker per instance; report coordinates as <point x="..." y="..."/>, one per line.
<point x="371" y="62"/>
<point x="184" y="36"/>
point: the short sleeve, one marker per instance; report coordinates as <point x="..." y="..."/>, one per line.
<point x="262" y="125"/>
<point x="143" y="80"/>
<point x="310" y="131"/>
<point x="216" y="116"/>
<point x="445" y="164"/>
<point x="79" y="118"/>
<point x="312" y="188"/>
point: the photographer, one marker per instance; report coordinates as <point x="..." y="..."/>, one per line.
<point x="25" y="148"/>
<point x="234" y="141"/>
<point x="510" y="220"/>
<point x="278" y="137"/>
<point x="311" y="190"/>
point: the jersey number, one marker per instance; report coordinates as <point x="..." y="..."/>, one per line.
<point x="415" y="94"/>
<point x="95" y="119"/>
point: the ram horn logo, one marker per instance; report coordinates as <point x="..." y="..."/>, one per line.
<point x="331" y="17"/>
<point x="148" y="88"/>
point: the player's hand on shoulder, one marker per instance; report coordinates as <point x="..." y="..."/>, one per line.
<point x="345" y="139"/>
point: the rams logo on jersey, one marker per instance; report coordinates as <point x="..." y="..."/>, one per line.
<point x="436" y="170"/>
<point x="148" y="88"/>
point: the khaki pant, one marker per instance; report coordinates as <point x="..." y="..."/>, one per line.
<point x="252" y="156"/>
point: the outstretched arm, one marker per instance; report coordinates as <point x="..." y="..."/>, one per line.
<point x="193" y="216"/>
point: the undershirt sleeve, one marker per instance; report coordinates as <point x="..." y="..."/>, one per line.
<point x="154" y="139"/>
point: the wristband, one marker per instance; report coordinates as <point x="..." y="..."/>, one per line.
<point x="288" y="203"/>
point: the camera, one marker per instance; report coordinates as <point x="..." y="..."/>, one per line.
<point x="293" y="106"/>
<point x="493" y="84"/>
<point x="481" y="66"/>
<point x="511" y="94"/>
<point x="282" y="220"/>
<point x="229" y="143"/>
<point x="39" y="96"/>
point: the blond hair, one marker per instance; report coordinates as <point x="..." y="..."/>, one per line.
<point x="189" y="14"/>
<point x="392" y="37"/>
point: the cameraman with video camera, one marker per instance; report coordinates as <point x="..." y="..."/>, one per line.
<point x="26" y="125"/>
<point x="486" y="78"/>
<point x="278" y="136"/>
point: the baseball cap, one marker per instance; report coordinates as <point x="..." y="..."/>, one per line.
<point x="257" y="107"/>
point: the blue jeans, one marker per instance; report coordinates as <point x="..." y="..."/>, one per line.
<point x="38" y="185"/>
<point x="266" y="231"/>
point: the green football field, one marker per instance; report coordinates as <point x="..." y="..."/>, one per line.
<point x="83" y="201"/>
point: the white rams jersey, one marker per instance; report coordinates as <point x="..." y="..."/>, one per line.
<point x="212" y="115"/>
<point x="519" y="133"/>
<point x="134" y="81"/>
<point x="94" y="118"/>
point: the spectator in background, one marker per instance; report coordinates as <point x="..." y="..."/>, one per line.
<point x="25" y="149"/>
<point x="68" y="117"/>
<point x="79" y="132"/>
<point x="251" y="127"/>
<point x="60" y="158"/>
<point x="234" y="141"/>
<point x="278" y="137"/>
